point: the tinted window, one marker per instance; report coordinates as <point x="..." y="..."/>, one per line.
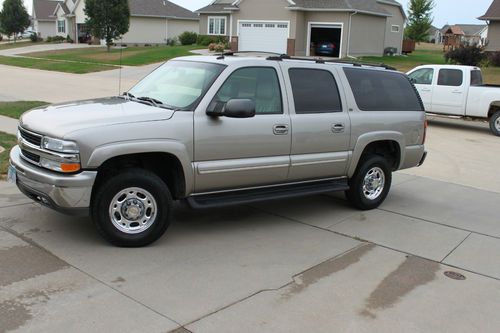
<point x="376" y="90"/>
<point x="476" y="79"/>
<point x="259" y="84"/>
<point x="422" y="76"/>
<point x="450" y="77"/>
<point x="314" y="91"/>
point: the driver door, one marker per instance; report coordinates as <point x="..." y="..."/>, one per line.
<point x="232" y="153"/>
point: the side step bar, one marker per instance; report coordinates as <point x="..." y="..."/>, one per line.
<point x="239" y="197"/>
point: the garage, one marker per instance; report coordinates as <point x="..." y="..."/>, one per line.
<point x="263" y="36"/>
<point x="325" y="39"/>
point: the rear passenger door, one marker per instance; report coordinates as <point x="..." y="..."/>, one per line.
<point x="321" y="127"/>
<point x="450" y="92"/>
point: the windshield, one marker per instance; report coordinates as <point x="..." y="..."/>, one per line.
<point x="179" y="85"/>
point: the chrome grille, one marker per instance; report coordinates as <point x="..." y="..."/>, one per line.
<point x="31" y="137"/>
<point x="30" y="156"/>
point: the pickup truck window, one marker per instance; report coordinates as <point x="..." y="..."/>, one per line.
<point x="423" y="76"/>
<point x="450" y="77"/>
<point x="476" y="78"/>
<point x="314" y="91"/>
<point x="259" y="84"/>
<point x="179" y="84"/>
<point x="376" y="90"/>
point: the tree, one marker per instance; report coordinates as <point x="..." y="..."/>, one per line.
<point x="108" y="19"/>
<point x="419" y="19"/>
<point x="14" y="18"/>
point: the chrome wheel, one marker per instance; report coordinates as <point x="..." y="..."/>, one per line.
<point x="497" y="124"/>
<point x="373" y="183"/>
<point x="133" y="210"/>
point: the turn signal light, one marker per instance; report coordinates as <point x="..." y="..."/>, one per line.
<point x="70" y="167"/>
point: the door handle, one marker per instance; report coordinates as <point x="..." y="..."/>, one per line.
<point x="338" y="128"/>
<point x="456" y="91"/>
<point x="280" y="129"/>
<point x="426" y="90"/>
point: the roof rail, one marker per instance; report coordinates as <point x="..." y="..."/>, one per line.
<point x="234" y="53"/>
<point x="325" y="61"/>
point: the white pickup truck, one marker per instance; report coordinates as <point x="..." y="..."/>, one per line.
<point x="457" y="91"/>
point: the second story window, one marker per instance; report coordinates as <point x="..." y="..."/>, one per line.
<point x="61" y="26"/>
<point x="217" y="25"/>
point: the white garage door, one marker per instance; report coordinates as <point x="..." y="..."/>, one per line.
<point x="263" y="36"/>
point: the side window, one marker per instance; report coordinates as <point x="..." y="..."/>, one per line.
<point x="314" y="91"/>
<point x="422" y="76"/>
<point x="378" y="90"/>
<point x="259" y="84"/>
<point x="476" y="79"/>
<point x="450" y="77"/>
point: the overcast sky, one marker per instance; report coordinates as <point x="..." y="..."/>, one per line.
<point x="446" y="11"/>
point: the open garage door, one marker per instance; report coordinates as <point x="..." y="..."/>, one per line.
<point x="263" y="36"/>
<point x="325" y="40"/>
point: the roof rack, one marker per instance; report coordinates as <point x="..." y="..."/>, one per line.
<point x="325" y="61"/>
<point x="234" y="53"/>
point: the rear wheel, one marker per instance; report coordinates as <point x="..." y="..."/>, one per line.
<point x="132" y="209"/>
<point x="370" y="184"/>
<point x="495" y="123"/>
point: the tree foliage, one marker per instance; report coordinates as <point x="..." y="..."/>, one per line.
<point x="108" y="19"/>
<point x="419" y="19"/>
<point x="466" y="55"/>
<point x="14" y="18"/>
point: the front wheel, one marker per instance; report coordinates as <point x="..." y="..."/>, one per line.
<point x="370" y="184"/>
<point x="495" y="124"/>
<point x="132" y="208"/>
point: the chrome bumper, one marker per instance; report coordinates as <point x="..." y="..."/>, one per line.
<point x="68" y="194"/>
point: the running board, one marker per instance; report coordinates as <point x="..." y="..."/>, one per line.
<point x="268" y="193"/>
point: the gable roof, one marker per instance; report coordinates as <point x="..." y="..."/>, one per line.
<point x="493" y="13"/>
<point x="160" y="8"/>
<point x="43" y="10"/>
<point x="219" y="6"/>
<point x="464" y="29"/>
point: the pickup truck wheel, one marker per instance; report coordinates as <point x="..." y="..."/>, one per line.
<point x="132" y="209"/>
<point x="495" y="123"/>
<point x="370" y="184"/>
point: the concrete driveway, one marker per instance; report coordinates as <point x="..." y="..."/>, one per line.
<point x="305" y="265"/>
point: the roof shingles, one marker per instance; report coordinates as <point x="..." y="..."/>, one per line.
<point x="493" y="13"/>
<point x="160" y="8"/>
<point x="43" y="10"/>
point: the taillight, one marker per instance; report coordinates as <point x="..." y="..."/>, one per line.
<point x="332" y="46"/>
<point x="425" y="131"/>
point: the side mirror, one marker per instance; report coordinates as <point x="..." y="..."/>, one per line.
<point x="235" y="108"/>
<point x="412" y="80"/>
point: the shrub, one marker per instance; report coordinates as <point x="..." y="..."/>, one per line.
<point x="55" y="39"/>
<point x="34" y="37"/>
<point x="220" y="47"/>
<point x="494" y="58"/>
<point x="465" y="55"/>
<point x="1" y="37"/>
<point x="205" y="40"/>
<point x="211" y="46"/>
<point x="69" y="40"/>
<point x="171" y="41"/>
<point x="188" y="38"/>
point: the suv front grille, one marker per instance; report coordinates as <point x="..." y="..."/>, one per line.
<point x="30" y="156"/>
<point x="30" y="137"/>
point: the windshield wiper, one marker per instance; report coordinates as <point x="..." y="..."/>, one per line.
<point x="153" y="101"/>
<point x="128" y="95"/>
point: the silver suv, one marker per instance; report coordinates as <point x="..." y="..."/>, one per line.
<point x="216" y="131"/>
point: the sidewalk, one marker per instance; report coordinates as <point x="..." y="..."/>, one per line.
<point x="8" y="125"/>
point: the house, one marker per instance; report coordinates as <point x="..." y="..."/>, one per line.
<point x="43" y="18"/>
<point x="465" y="34"/>
<point x="296" y="27"/>
<point x="492" y="16"/>
<point x="151" y="21"/>
<point x="434" y="35"/>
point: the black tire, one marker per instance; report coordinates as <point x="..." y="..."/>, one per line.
<point x="157" y="212"/>
<point x="356" y="194"/>
<point x="495" y="123"/>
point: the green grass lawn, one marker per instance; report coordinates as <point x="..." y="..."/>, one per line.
<point x="131" y="56"/>
<point x="405" y="63"/>
<point x="16" y="109"/>
<point x="7" y="141"/>
<point x="57" y="66"/>
<point x="17" y="44"/>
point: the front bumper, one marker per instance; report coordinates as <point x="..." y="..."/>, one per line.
<point x="68" y="194"/>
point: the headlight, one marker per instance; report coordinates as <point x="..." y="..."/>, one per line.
<point x="60" y="146"/>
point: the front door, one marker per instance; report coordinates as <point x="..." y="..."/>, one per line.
<point x="321" y="126"/>
<point x="240" y="153"/>
<point x="423" y="79"/>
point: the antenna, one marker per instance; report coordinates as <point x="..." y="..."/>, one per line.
<point x="120" y="70"/>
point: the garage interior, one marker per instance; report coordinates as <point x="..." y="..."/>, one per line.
<point x="325" y="33"/>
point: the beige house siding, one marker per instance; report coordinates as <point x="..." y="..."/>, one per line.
<point x="327" y="17"/>
<point x="146" y="30"/>
<point x="493" y="36"/>
<point x="79" y="12"/>
<point x="177" y="27"/>
<point x="367" y="35"/>
<point x="300" y="34"/>
<point x="69" y="24"/>
<point x="394" y="39"/>
<point x="203" y="24"/>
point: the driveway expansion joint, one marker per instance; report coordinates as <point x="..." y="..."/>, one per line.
<point x="456" y="247"/>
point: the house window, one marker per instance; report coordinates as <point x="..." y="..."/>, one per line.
<point x="61" y="26"/>
<point x="216" y="25"/>
<point x="395" y="28"/>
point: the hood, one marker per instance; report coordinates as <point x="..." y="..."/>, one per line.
<point x="58" y="120"/>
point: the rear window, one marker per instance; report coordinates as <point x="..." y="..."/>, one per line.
<point x="376" y="90"/>
<point x="450" y="77"/>
<point x="476" y="79"/>
<point x="314" y="91"/>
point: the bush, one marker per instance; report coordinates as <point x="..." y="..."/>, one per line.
<point x="220" y="47"/>
<point x="206" y="40"/>
<point x="55" y="39"/>
<point x="211" y="46"/>
<point x="494" y="58"/>
<point x="34" y="37"/>
<point x="171" y="41"/>
<point x="188" y="38"/>
<point x="69" y="40"/>
<point x="1" y="37"/>
<point x="465" y="55"/>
